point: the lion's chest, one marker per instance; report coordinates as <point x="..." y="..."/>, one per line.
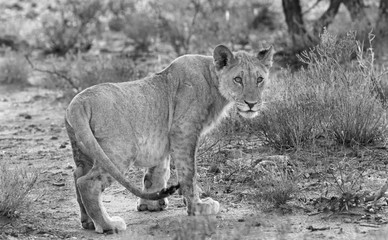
<point x="215" y="118"/>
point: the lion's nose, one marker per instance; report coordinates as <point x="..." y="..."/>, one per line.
<point x="250" y="104"/>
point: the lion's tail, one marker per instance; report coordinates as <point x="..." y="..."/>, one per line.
<point x="89" y="145"/>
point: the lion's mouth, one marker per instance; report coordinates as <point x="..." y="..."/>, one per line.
<point x="248" y="113"/>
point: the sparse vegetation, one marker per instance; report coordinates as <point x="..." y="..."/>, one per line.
<point x="333" y="97"/>
<point x="15" y="184"/>
<point x="275" y="183"/>
<point x="14" y="69"/>
<point x="73" y="27"/>
<point x="198" y="228"/>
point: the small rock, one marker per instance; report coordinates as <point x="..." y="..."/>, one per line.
<point x="25" y="115"/>
<point x="57" y="184"/>
<point x="54" y="138"/>
<point x="378" y="217"/>
<point x="257" y="224"/>
<point x="371" y="210"/>
<point x="347" y="220"/>
<point x="63" y="145"/>
<point x="69" y="167"/>
<point x="240" y="220"/>
<point x="214" y="169"/>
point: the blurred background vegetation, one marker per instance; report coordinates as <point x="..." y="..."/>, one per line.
<point x="176" y="27"/>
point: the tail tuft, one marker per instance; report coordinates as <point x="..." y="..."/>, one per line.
<point x="169" y="191"/>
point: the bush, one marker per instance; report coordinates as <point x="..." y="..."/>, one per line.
<point x="274" y="181"/>
<point x="103" y="69"/>
<point x="15" y="184"/>
<point x="196" y="26"/>
<point x="73" y="27"/>
<point x="73" y="73"/>
<point x="334" y="97"/>
<point x="14" y="69"/>
<point x="141" y="28"/>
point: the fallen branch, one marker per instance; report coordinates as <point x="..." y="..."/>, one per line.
<point x="68" y="79"/>
<point x="369" y="225"/>
<point x="313" y="229"/>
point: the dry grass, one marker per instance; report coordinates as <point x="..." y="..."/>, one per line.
<point x="336" y="97"/>
<point x="14" y="69"/>
<point x="15" y="185"/>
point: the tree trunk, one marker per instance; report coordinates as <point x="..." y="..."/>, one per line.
<point x="355" y="8"/>
<point x="381" y="31"/>
<point x="293" y="13"/>
<point x="327" y="17"/>
<point x="382" y="21"/>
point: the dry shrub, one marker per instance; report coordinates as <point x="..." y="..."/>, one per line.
<point x="73" y="27"/>
<point x="75" y="72"/>
<point x="14" y="69"/>
<point x="15" y="185"/>
<point x="274" y="181"/>
<point x="141" y="28"/>
<point x="103" y="69"/>
<point x="335" y="96"/>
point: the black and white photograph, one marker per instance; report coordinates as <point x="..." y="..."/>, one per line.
<point x="194" y="119"/>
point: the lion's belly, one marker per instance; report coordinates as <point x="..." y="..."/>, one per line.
<point x="152" y="151"/>
<point x="147" y="151"/>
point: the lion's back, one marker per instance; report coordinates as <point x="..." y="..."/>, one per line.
<point x="115" y="109"/>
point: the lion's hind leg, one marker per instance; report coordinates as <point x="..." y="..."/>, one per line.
<point x="90" y="188"/>
<point x="84" y="164"/>
<point x="86" y="221"/>
<point x="154" y="180"/>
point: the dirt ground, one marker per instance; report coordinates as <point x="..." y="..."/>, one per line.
<point x="32" y="133"/>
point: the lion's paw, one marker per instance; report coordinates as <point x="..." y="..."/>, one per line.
<point x="116" y="224"/>
<point x="88" y="224"/>
<point x="152" y="206"/>
<point x="206" y="206"/>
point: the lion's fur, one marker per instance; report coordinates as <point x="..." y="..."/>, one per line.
<point x="143" y="123"/>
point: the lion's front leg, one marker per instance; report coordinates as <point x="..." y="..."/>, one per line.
<point x="183" y="153"/>
<point x="154" y="180"/>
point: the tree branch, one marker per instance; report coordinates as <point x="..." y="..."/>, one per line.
<point x="68" y="79"/>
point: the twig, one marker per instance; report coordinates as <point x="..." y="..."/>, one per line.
<point x="2" y="226"/>
<point x="208" y="148"/>
<point x="311" y="228"/>
<point x="369" y="225"/>
<point x="350" y="213"/>
<point x="63" y="76"/>
<point x="314" y="213"/>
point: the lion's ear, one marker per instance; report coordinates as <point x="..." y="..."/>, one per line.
<point x="266" y="56"/>
<point x="222" y="57"/>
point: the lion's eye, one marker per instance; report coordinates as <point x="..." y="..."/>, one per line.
<point x="259" y="80"/>
<point x="238" y="80"/>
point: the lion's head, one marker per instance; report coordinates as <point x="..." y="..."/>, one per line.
<point x="242" y="77"/>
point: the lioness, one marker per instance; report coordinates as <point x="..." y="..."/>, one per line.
<point x="145" y="122"/>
